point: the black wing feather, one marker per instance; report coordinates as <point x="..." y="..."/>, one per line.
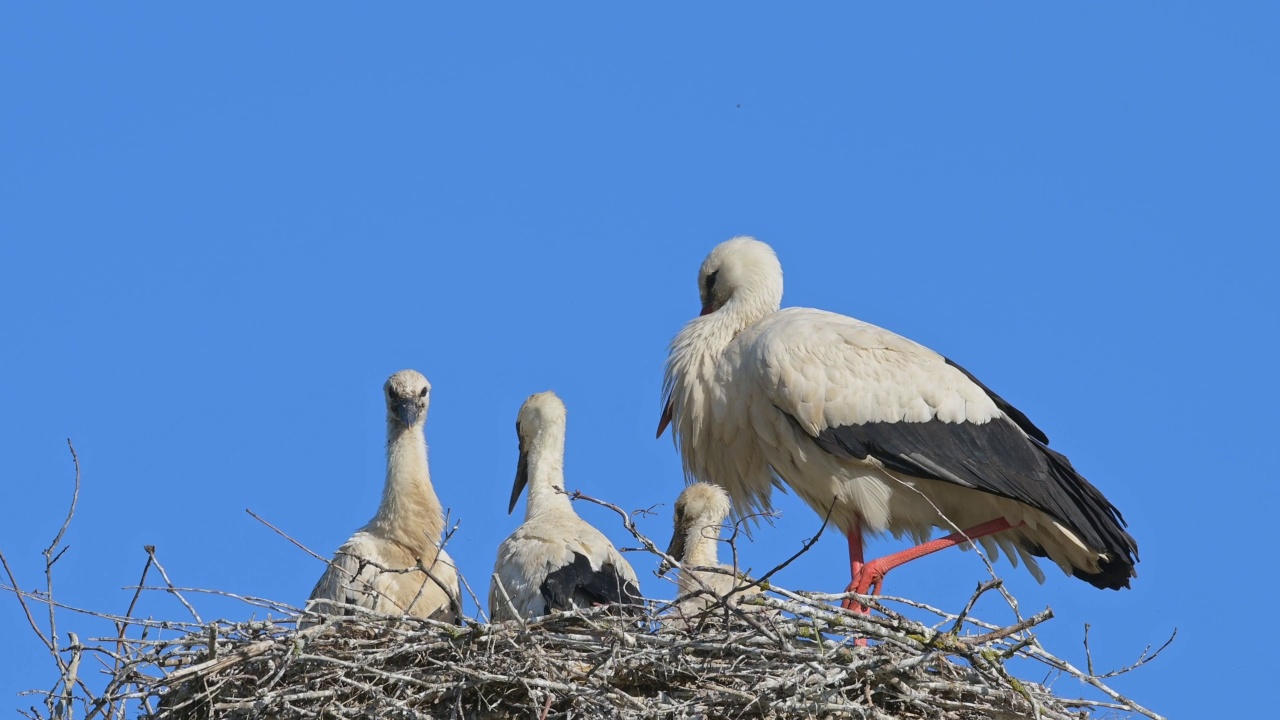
<point x="576" y="584"/>
<point x="996" y="457"/>
<point x="1014" y="413"/>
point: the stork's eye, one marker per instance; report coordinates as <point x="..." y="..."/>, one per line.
<point x="423" y="393"/>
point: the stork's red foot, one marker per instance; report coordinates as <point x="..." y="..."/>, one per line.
<point x="868" y="579"/>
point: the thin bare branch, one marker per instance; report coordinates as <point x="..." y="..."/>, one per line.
<point x="53" y="553"/>
<point x="75" y="499"/>
<point x="286" y="536"/>
<point x="759" y="582"/>
<point x="21" y="596"/>
<point x="1143" y="659"/>
<point x="123" y="625"/>
<point x="151" y="553"/>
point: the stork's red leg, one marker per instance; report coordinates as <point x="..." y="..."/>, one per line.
<point x="855" y="566"/>
<point x="868" y="578"/>
<point x="855" y="571"/>
<point x="871" y="579"/>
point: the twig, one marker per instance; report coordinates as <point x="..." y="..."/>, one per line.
<point x="1088" y="655"/>
<point x="1014" y="629"/>
<point x="52" y="554"/>
<point x="1061" y="664"/>
<point x="75" y="498"/>
<point x="151" y="553"/>
<point x="18" y="593"/>
<point x="629" y="524"/>
<point x="804" y="549"/>
<point x="123" y="625"/>
<point x="973" y="600"/>
<point x="365" y="585"/>
<point x="1143" y="659"/>
<point x="285" y="535"/>
<point x="506" y="599"/>
<point x="281" y="607"/>
<point x="455" y="601"/>
<point x="484" y="617"/>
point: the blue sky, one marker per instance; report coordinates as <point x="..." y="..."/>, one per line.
<point x="224" y="228"/>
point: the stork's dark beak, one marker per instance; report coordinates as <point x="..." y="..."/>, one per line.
<point x="406" y="410"/>
<point x="675" y="549"/>
<point x="706" y="310"/>
<point x="522" y="479"/>
<point x="664" y="421"/>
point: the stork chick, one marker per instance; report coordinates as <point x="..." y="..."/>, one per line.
<point x="555" y="560"/>
<point x="700" y="513"/>
<point x="394" y="564"/>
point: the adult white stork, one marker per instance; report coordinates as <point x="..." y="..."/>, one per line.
<point x="555" y="560"/>
<point x="880" y="432"/>
<point x="700" y="513"/>
<point x="395" y="564"/>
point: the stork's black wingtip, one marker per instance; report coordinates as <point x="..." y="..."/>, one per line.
<point x="1113" y="574"/>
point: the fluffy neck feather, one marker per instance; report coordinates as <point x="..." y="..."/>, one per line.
<point x="702" y="341"/>
<point x="410" y="513"/>
<point x="759" y="294"/>
<point x="546" y="472"/>
<point x="700" y="543"/>
<point x="690" y="381"/>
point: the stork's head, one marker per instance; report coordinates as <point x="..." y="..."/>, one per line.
<point x="742" y="264"/>
<point x="702" y="507"/>
<point x="741" y="273"/>
<point x="540" y="413"/>
<point x="408" y="394"/>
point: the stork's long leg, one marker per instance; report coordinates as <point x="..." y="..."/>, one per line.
<point x="870" y="578"/>
<point x="855" y="566"/>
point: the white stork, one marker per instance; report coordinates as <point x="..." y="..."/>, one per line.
<point x="555" y="560"/>
<point x="700" y="513"/>
<point x="880" y="432"/>
<point x="395" y="564"/>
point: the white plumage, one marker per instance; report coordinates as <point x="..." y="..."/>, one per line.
<point x="555" y="560"/>
<point x="882" y="432"/>
<point x="381" y="567"/>
<point x="700" y="513"/>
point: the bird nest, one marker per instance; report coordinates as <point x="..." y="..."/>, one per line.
<point x="773" y="654"/>
<point x="800" y="657"/>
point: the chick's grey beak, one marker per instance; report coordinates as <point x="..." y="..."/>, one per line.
<point x="675" y="550"/>
<point x="406" y="410"/>
<point x="522" y="478"/>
